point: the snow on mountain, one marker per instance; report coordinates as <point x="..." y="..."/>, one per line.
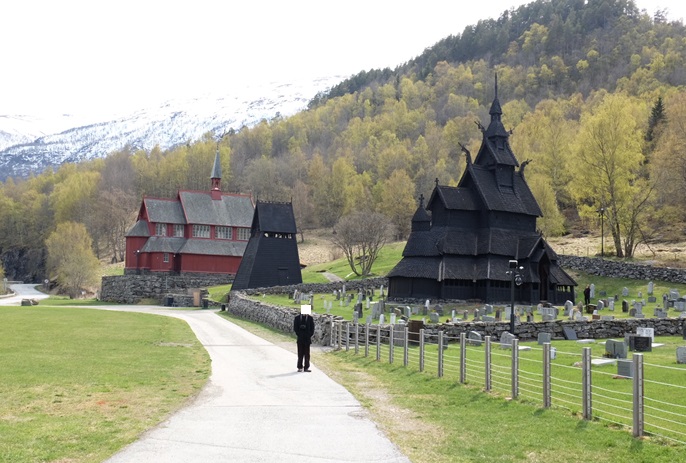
<point x="31" y="144"/>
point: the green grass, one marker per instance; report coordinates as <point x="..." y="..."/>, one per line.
<point x="436" y="420"/>
<point x="389" y="256"/>
<point x="78" y="384"/>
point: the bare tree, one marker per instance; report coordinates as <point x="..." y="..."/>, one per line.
<point x="361" y="235"/>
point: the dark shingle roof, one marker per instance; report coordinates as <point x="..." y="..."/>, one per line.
<point x="560" y="277"/>
<point x="275" y="217"/>
<point x="417" y="267"/>
<point x="519" y="199"/>
<point x="458" y="198"/>
<point x="164" y="210"/>
<point x="140" y="228"/>
<point x="230" y="210"/>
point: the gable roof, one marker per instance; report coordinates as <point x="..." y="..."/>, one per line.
<point x="163" y="210"/>
<point x="458" y="198"/>
<point x="230" y="210"/>
<point x="519" y="199"/>
<point x="140" y="228"/>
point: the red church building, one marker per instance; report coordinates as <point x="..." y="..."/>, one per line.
<point x="197" y="232"/>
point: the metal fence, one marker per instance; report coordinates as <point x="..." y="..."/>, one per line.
<point x="537" y="374"/>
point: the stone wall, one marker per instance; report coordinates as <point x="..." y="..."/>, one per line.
<point x="320" y="288"/>
<point x="277" y="317"/>
<point x="130" y="289"/>
<point x="281" y="318"/>
<point x="613" y="269"/>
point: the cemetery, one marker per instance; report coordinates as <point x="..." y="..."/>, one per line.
<point x="610" y="344"/>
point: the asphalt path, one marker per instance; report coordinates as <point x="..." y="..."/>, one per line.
<point x="257" y="408"/>
<point x="22" y="291"/>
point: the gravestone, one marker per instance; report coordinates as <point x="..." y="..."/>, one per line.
<point x="639" y="343"/>
<point x="465" y="315"/>
<point x="652" y="299"/>
<point x="382" y="319"/>
<point x="611" y="303"/>
<point x="434" y="318"/>
<point x="425" y="310"/>
<point x="356" y="318"/>
<point x="358" y="308"/>
<point x="506" y="340"/>
<point x="488" y="318"/>
<point x="640" y="294"/>
<point x="439" y="309"/>
<point x="375" y="310"/>
<point x="477" y="315"/>
<point x="602" y="293"/>
<point x="625" y="292"/>
<point x="651" y="287"/>
<point x="382" y="306"/>
<point x="498" y="314"/>
<point x="488" y="308"/>
<point x="625" y="368"/>
<point x="645" y="331"/>
<point x="543" y="338"/>
<point x="681" y="354"/>
<point x="408" y="312"/>
<point x="615" y="349"/>
<point x="592" y="290"/>
<point x="601" y="304"/>
<point x="569" y="333"/>
<point x="683" y="331"/>
<point x="680" y="304"/>
<point x="632" y="312"/>
<point x="474" y="338"/>
<point x="568" y="308"/>
<point x="607" y="317"/>
<point x="673" y="294"/>
<point x="369" y="319"/>
<point x="660" y="313"/>
<point x="529" y="318"/>
<point x="393" y="318"/>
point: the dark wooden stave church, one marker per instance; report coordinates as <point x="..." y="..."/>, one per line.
<point x="271" y="256"/>
<point x="461" y="244"/>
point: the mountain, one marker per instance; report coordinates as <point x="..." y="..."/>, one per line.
<point x="29" y="144"/>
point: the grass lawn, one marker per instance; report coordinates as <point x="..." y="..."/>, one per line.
<point x="439" y="420"/>
<point x="76" y="385"/>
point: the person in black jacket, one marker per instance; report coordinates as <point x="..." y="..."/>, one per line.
<point x="303" y="325"/>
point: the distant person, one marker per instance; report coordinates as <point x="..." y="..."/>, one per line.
<point x="587" y="295"/>
<point x="303" y="325"/>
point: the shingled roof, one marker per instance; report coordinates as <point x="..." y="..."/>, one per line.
<point x="518" y="199"/>
<point x="164" y="211"/>
<point x="274" y="217"/>
<point x="230" y="210"/>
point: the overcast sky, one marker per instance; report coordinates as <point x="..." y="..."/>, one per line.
<point x="89" y="56"/>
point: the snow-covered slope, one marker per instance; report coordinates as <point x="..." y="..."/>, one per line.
<point x="30" y="145"/>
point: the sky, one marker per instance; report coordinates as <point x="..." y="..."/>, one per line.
<point x="110" y="57"/>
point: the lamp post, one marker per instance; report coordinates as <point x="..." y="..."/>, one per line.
<point x="601" y="211"/>
<point x="516" y="279"/>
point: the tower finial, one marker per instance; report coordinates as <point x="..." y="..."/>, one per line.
<point x="496" y="85"/>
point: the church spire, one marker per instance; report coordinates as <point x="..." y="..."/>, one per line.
<point x="216" y="176"/>
<point x="496" y="128"/>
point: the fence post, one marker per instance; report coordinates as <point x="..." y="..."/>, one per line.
<point x="347" y="336"/>
<point x="406" y="343"/>
<point x="638" y="395"/>
<point x="378" y="342"/>
<point x="421" y="349"/>
<point x="440" y="354"/>
<point x="391" y="342"/>
<point x="487" y="363"/>
<point x="332" y="340"/>
<point x="463" y="357"/>
<point x="340" y="334"/>
<point x="357" y="338"/>
<point x="586" y="383"/>
<point x="366" y="340"/>
<point x="515" y="368"/>
<point x="546" y="375"/>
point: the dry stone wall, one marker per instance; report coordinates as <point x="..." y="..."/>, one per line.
<point x="131" y="289"/>
<point x="613" y="269"/>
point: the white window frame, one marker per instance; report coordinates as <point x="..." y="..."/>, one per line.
<point x="243" y="234"/>
<point x="201" y="231"/>
<point x="223" y="233"/>
<point x="179" y="230"/>
<point x="160" y="229"/>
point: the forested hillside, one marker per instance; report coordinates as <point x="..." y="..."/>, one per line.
<point x="592" y="90"/>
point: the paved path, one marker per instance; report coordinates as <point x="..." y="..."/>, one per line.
<point x="22" y="292"/>
<point x="256" y="407"/>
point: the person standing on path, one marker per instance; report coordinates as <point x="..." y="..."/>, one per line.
<point x="303" y="325"/>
